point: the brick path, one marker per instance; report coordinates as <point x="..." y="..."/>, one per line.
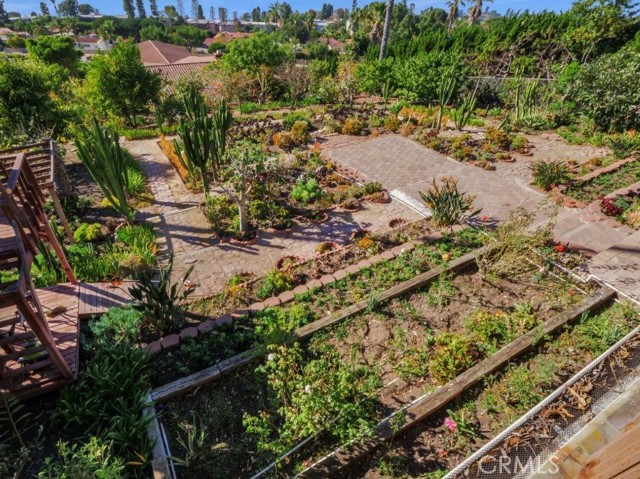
<point x="182" y="228"/>
<point x="402" y="164"/>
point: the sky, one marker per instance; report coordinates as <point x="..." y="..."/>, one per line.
<point x="115" y="6"/>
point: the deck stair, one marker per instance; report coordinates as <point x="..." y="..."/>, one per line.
<point x="38" y="327"/>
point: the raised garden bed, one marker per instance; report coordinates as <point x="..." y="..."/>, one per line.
<point x="351" y="376"/>
<point x="600" y="182"/>
<point x="331" y="293"/>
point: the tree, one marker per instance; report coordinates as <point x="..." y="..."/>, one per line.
<point x="222" y="15"/>
<point x="188" y="36"/>
<point x="153" y="32"/>
<point x="107" y="30"/>
<point x="118" y="83"/>
<point x="212" y="13"/>
<point x="256" y="14"/>
<point x="55" y="50"/>
<point x="171" y="12"/>
<point x="68" y="8"/>
<point x="245" y="162"/>
<point x="153" y="7"/>
<point x="3" y="12"/>
<point x="454" y="12"/>
<point x="55" y="7"/>
<point x="86" y="9"/>
<point x="476" y="11"/>
<point x="128" y="8"/>
<point x="200" y="12"/>
<point x="99" y="149"/>
<point x="27" y="105"/>
<point x="44" y="9"/>
<point x="386" y="29"/>
<point x="142" y="13"/>
<point x="258" y="56"/>
<point x="326" y="12"/>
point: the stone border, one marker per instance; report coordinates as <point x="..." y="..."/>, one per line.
<point x="558" y="193"/>
<point x="173" y="340"/>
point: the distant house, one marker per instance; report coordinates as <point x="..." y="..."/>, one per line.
<point x="226" y="37"/>
<point x="5" y="33"/>
<point x="332" y="43"/>
<point x="92" y="44"/>
<point x="154" y="53"/>
<point x="173" y="62"/>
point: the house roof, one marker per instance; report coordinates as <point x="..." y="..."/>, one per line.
<point x="86" y="39"/>
<point x="5" y="31"/>
<point x="332" y="43"/>
<point x="226" y="37"/>
<point x="158" y="53"/>
<point x="172" y="73"/>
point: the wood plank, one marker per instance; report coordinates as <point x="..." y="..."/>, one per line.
<point x="409" y="416"/>
<point x="213" y="373"/>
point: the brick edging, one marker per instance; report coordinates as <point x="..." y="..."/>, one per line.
<point x="172" y="341"/>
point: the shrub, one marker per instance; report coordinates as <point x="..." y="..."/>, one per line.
<point x="300" y="133"/>
<point x="221" y="212"/>
<point x="608" y="91"/>
<point x="284" y="140"/>
<point x="90" y="460"/>
<point x="453" y="353"/>
<point x="108" y="402"/>
<point x="353" y="126"/>
<point x="296" y="117"/>
<point x="273" y="325"/>
<point x="306" y="192"/>
<point x="135" y="182"/>
<point x="624" y="144"/>
<point x="520" y="144"/>
<point x="118" y="326"/>
<point x="88" y="232"/>
<point x="448" y="205"/>
<point x="275" y="282"/>
<point x="548" y="174"/>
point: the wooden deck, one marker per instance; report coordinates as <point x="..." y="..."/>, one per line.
<point x="97" y="298"/>
<point x="8" y="246"/>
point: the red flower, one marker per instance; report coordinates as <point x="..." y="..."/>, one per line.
<point x="560" y="248"/>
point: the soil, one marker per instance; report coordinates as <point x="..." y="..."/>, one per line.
<point x="380" y="340"/>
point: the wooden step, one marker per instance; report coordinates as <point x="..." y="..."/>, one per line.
<point x="19" y="354"/>
<point x="12" y="373"/>
<point x="43" y="385"/>
<point x="7" y="323"/>
<point x="16" y="338"/>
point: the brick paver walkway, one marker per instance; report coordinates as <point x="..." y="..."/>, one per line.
<point x="402" y="164"/>
<point x="182" y="228"/>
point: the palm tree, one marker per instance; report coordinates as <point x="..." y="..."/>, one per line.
<point x="386" y="29"/>
<point x="454" y="10"/>
<point x="274" y="13"/>
<point x="475" y="12"/>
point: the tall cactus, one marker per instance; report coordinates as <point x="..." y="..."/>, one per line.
<point x="203" y="138"/>
<point x="99" y="149"/>
<point x="445" y="91"/>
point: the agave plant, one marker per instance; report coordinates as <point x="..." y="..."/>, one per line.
<point x="99" y="149"/>
<point x="160" y="300"/>
<point x="448" y="206"/>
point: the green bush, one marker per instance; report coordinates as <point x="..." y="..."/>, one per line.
<point x="135" y="182"/>
<point x="548" y="174"/>
<point x="118" y="326"/>
<point x="608" y="91"/>
<point x="306" y="192"/>
<point x="88" y="232"/>
<point x="273" y="325"/>
<point x="448" y="206"/>
<point x="108" y="402"/>
<point x="453" y="354"/>
<point x="275" y="282"/>
<point x="294" y="117"/>
<point x="87" y="461"/>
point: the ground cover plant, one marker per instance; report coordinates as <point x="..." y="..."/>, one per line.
<point x="423" y="340"/>
<point x="605" y="184"/>
<point x="275" y="325"/>
<point x="483" y="412"/>
<point x="625" y="209"/>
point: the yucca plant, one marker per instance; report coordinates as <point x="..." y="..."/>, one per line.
<point x="160" y="300"/>
<point x="99" y="149"/>
<point x="448" y="206"/>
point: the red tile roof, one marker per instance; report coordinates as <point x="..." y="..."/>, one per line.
<point x="226" y="37"/>
<point x="87" y="39"/>
<point x="172" y="73"/>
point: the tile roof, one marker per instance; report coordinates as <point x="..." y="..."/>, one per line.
<point x="172" y="73"/>
<point x="158" y="53"/>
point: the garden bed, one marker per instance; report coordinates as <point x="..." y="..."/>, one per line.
<point x="349" y="377"/>
<point x="600" y="182"/>
<point x="317" y="300"/>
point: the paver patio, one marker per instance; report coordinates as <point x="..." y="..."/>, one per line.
<point x="183" y="229"/>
